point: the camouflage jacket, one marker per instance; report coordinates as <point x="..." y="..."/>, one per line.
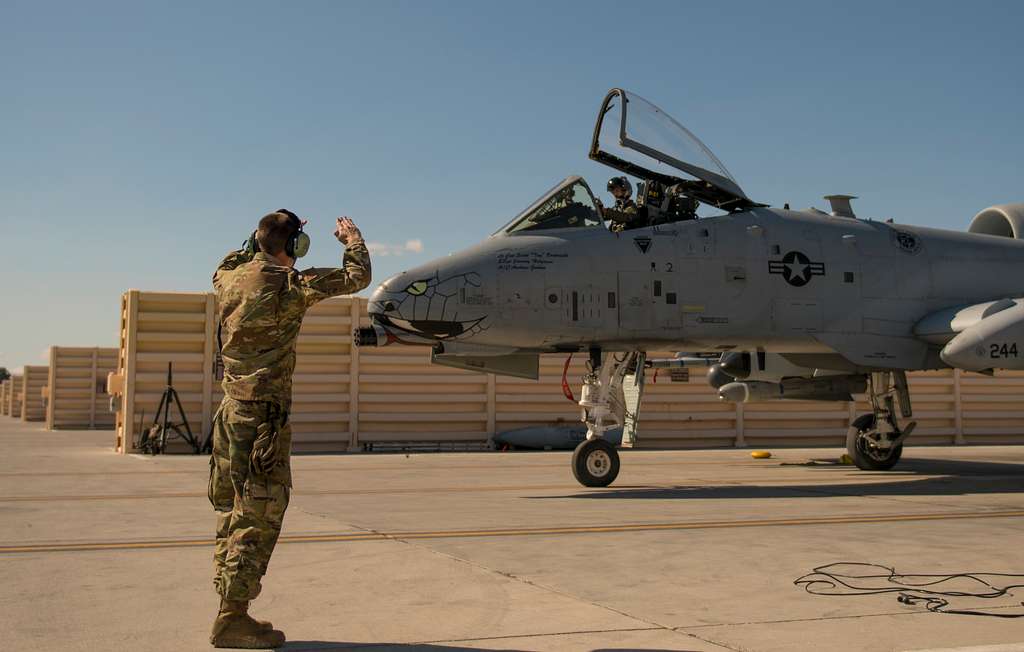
<point x="624" y="215"/>
<point x="625" y="205"/>
<point x="261" y="305"/>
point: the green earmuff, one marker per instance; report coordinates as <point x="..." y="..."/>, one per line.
<point x="298" y="244"/>
<point x="252" y="245"/>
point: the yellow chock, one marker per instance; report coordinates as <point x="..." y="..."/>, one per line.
<point x="845" y="459"/>
<point x="760" y="455"/>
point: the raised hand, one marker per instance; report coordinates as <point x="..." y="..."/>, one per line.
<point x="346" y="231"/>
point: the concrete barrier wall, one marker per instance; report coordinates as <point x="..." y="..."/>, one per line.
<point x="33" y="383"/>
<point x="344" y="398"/>
<point x="76" y="396"/>
<point x="348" y="398"/>
<point x="158" y="328"/>
<point x="14" y="393"/>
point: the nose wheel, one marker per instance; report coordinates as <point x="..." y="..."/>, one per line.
<point x="595" y="463"/>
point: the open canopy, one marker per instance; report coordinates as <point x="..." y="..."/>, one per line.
<point x="638" y="138"/>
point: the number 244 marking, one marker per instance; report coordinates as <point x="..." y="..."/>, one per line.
<point x="1003" y="350"/>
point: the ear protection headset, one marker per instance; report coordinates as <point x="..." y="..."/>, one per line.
<point x="297" y="244"/>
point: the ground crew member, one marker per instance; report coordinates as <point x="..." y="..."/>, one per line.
<point x="624" y="215"/>
<point x="262" y="300"/>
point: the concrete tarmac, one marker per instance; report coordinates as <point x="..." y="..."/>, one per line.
<point x="689" y="550"/>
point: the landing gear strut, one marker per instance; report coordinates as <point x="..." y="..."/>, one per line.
<point x="875" y="441"/>
<point x="595" y="462"/>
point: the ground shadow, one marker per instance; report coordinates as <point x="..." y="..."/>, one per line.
<point x="325" y="646"/>
<point x="952" y="478"/>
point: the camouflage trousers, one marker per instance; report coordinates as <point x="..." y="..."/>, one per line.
<point x="250" y="483"/>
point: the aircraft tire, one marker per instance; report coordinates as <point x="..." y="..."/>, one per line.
<point x="863" y="457"/>
<point x="595" y="463"/>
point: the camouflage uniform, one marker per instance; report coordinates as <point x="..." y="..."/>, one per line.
<point x="261" y="308"/>
<point x="623" y="215"/>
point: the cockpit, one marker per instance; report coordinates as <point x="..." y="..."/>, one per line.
<point x="569" y="204"/>
<point x="677" y="173"/>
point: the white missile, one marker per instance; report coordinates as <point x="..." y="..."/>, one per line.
<point x="827" y="388"/>
<point x="752" y="391"/>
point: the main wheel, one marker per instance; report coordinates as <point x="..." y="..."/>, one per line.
<point x="866" y="455"/>
<point x="595" y="463"/>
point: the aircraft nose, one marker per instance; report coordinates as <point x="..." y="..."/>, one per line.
<point x="423" y="308"/>
<point x="384" y="300"/>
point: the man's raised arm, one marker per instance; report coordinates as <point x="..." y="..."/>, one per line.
<point x="319" y="283"/>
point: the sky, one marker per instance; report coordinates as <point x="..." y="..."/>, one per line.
<point x="140" y="141"/>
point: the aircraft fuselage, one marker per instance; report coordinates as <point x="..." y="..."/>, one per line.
<point x="787" y="281"/>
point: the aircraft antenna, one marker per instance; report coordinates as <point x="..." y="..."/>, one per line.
<point x="841" y="205"/>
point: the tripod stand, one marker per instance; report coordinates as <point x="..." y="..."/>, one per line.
<point x="154" y="440"/>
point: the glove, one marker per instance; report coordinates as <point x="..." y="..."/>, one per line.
<point x="264" y="450"/>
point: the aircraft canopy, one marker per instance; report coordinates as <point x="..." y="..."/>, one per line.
<point x="636" y="137"/>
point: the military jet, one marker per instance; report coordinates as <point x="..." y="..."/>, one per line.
<point x="781" y="304"/>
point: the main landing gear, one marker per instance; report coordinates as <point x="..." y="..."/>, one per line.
<point x="875" y="441"/>
<point x="611" y="394"/>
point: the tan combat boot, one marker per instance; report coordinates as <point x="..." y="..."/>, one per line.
<point x="235" y="628"/>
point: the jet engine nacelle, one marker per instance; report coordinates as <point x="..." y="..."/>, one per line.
<point x="826" y="388"/>
<point x="997" y="341"/>
<point x="1005" y="220"/>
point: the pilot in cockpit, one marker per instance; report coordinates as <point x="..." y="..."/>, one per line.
<point x="624" y="215"/>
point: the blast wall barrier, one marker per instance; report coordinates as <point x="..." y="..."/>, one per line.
<point x="14" y="394"/>
<point x="76" y="392"/>
<point x="33" y="383"/>
<point x="347" y="398"/>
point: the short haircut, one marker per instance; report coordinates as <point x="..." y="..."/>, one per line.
<point x="275" y="229"/>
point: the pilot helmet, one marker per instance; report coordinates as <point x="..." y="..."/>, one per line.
<point x="620" y="182"/>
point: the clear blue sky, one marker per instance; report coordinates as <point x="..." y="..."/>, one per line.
<point x="141" y="141"/>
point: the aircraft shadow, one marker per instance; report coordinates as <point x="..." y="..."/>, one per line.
<point x="956" y="478"/>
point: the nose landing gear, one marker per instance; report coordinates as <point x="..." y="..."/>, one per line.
<point x="595" y="462"/>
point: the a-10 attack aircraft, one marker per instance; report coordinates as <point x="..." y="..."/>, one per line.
<point x="785" y="304"/>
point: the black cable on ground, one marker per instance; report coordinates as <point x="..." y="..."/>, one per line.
<point x="843" y="578"/>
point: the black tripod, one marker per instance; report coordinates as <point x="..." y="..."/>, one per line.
<point x="154" y="440"/>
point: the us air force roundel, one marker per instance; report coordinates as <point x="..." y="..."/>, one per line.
<point x="796" y="268"/>
<point x="643" y="243"/>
